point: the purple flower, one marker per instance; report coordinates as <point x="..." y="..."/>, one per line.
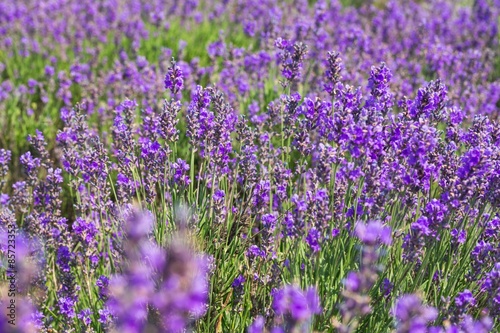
<point x="423" y="226"/>
<point x="386" y="287"/>
<point x="4" y="199"/>
<point x="257" y="326"/>
<point x="104" y="316"/>
<point x="491" y="285"/>
<point x="352" y="282"/>
<point x="84" y="315"/>
<point x="381" y="97"/>
<point x="430" y="101"/>
<point x="290" y="57"/>
<point x="64" y="258"/>
<point x="67" y="306"/>
<point x="332" y="73"/>
<point x="269" y="221"/>
<point x="464" y="299"/>
<point x="255" y="251"/>
<point x="172" y="280"/>
<point x="469" y="325"/>
<point x="180" y="172"/>
<point x="238" y="282"/>
<point x="459" y="236"/>
<point x="218" y="195"/>
<point x="373" y="232"/>
<point x="174" y="78"/>
<point x="138" y="225"/>
<point x="87" y="230"/>
<point x="412" y="315"/>
<point x="299" y="305"/>
<point x="4" y="156"/>
<point x="29" y="162"/>
<point x="313" y="239"/>
<point x="183" y="288"/>
<point x="102" y="283"/>
<point x="216" y="49"/>
<point x="49" y="71"/>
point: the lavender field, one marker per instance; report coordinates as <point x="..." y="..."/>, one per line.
<point x="257" y="166"/>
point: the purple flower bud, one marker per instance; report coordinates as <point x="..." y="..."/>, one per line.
<point x="174" y="78"/>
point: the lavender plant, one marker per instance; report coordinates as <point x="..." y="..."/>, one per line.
<point x="249" y="166"/>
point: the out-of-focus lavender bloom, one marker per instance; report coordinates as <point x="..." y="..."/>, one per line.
<point x="174" y="78"/>
<point x="25" y="318"/>
<point x="173" y="282"/>
<point x="491" y="286"/>
<point x="299" y="305"/>
<point x="183" y="288"/>
<point x="29" y="256"/>
<point x="470" y="325"/>
<point x="257" y="326"/>
<point x="356" y="301"/>
<point x="49" y="71"/>
<point x="216" y="49"/>
<point x="23" y="274"/>
<point x="373" y="233"/>
<point x="295" y="309"/>
<point x="412" y="315"/>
